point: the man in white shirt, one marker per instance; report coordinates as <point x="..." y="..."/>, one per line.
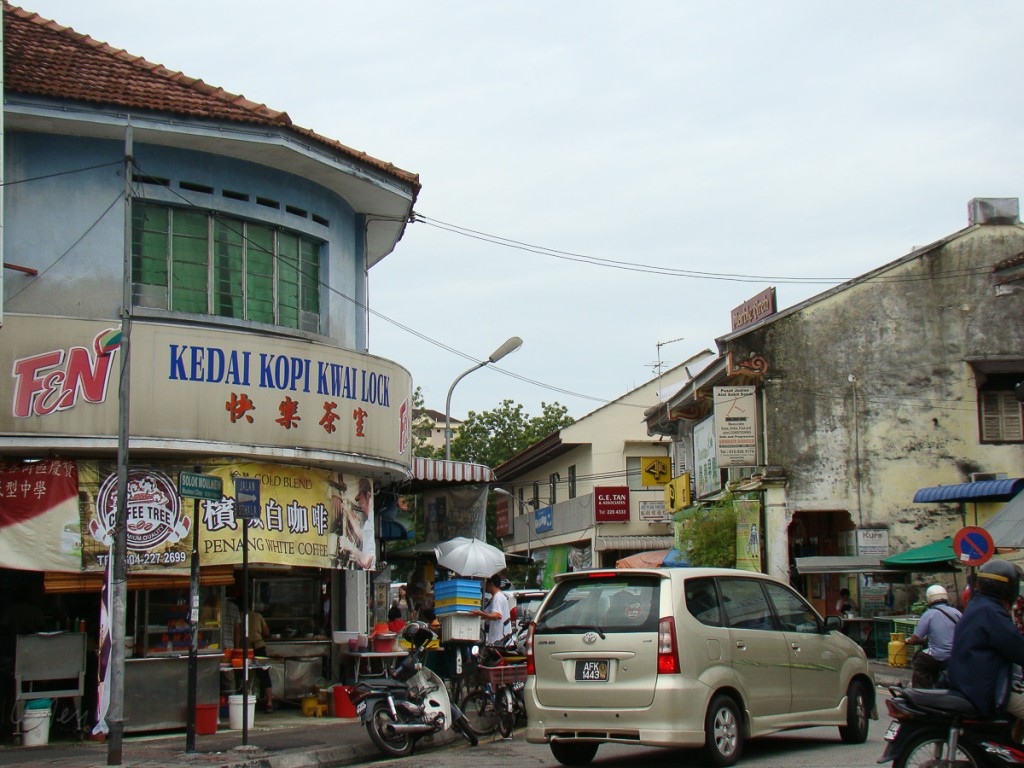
<point x="498" y="613"/>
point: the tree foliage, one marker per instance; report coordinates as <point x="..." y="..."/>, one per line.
<point x="422" y="426"/>
<point x="709" y="535"/>
<point x="493" y="437"/>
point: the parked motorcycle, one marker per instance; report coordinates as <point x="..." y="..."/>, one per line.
<point x="937" y="728"/>
<point x="411" y="702"/>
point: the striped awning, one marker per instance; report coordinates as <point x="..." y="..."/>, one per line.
<point x="439" y="470"/>
<point x="982" y="490"/>
<point x="634" y="542"/>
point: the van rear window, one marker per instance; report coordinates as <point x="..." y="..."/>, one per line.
<point x="620" y="604"/>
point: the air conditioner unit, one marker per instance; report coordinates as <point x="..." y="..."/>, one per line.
<point x="977" y="477"/>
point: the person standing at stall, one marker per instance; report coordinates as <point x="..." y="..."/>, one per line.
<point x="258" y="634"/>
<point x="498" y="613"/>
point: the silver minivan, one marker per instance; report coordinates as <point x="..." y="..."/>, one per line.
<point x="687" y="657"/>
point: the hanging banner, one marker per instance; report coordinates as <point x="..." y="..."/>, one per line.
<point x="40" y="528"/>
<point x="310" y="517"/>
<point x="159" y="529"/>
<point x="736" y="426"/>
<point x="748" y="534"/>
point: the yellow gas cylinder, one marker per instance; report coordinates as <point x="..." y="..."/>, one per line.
<point x="897" y="650"/>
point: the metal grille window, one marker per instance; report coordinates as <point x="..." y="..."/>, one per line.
<point x="193" y="261"/>
<point x="572" y="482"/>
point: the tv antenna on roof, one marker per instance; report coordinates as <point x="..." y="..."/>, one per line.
<point x="658" y="365"/>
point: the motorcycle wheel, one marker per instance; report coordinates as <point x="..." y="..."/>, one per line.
<point x="393" y="745"/>
<point x="929" y="750"/>
<point x="480" y="713"/>
<point x="506" y="712"/>
<point x="461" y="724"/>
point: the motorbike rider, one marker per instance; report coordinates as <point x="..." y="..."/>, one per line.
<point x="986" y="644"/>
<point x="936" y="629"/>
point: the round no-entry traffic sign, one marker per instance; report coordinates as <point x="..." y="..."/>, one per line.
<point x="973" y="545"/>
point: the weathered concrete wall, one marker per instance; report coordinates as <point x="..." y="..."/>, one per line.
<point x="869" y="396"/>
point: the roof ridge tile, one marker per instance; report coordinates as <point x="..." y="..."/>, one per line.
<point x="100" y="82"/>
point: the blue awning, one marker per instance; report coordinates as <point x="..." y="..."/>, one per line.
<point x="983" y="490"/>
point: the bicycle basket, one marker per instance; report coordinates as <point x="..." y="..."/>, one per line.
<point x="505" y="674"/>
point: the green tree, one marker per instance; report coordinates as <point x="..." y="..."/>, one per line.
<point x="493" y="437"/>
<point x="709" y="535"/>
<point x="422" y="426"/>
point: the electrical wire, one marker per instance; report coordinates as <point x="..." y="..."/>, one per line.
<point x="676" y="272"/>
<point x="55" y="262"/>
<point x="60" y="173"/>
<point x="226" y="222"/>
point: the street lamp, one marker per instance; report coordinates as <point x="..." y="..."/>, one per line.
<point x="508" y="347"/>
<point x="529" y="513"/>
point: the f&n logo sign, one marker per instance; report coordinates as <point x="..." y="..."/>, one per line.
<point x="54" y="381"/>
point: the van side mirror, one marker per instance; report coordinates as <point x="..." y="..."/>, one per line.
<point x="833" y="624"/>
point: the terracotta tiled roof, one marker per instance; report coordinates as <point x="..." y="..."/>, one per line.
<point x="45" y="59"/>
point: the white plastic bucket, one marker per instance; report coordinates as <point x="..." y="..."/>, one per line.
<point x="235" y="711"/>
<point x="35" y="727"/>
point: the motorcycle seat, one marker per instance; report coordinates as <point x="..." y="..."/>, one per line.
<point x="378" y="683"/>
<point x="940" y="698"/>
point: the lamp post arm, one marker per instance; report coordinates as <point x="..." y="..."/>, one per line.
<point x="448" y="409"/>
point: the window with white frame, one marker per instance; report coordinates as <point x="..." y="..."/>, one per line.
<point x="634" y="473"/>
<point x="188" y="260"/>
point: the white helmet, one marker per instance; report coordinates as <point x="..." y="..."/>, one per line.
<point x="936" y="593"/>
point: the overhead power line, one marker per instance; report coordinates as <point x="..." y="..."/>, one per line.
<point x="630" y="266"/>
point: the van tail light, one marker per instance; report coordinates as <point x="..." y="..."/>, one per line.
<point x="531" y="667"/>
<point x="512" y="614"/>
<point x="668" y="653"/>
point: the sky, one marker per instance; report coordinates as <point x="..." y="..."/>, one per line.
<point x="788" y="144"/>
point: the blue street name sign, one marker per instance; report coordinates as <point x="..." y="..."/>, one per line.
<point x="247" y="498"/>
<point x="192" y="485"/>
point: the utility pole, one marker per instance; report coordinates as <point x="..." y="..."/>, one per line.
<point x="119" y="546"/>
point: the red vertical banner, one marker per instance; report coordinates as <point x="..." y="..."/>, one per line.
<point x="40" y="525"/>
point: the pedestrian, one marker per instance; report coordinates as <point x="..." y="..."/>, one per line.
<point x="845" y="603"/>
<point x="498" y="613"/>
<point x="935" y="630"/>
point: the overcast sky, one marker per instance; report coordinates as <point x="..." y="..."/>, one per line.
<point x="768" y="141"/>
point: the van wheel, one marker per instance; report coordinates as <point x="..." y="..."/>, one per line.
<point x="573" y="752"/>
<point x="858" y="712"/>
<point x="723" y="734"/>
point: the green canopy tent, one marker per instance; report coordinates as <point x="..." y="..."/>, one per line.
<point x="937" y="557"/>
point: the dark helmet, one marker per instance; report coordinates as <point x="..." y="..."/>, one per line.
<point x="999" y="579"/>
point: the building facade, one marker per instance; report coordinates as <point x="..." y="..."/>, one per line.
<point x="898" y="380"/>
<point x="185" y="285"/>
<point x="593" y="491"/>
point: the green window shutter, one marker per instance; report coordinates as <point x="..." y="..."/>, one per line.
<point x="288" y="280"/>
<point x="228" y="275"/>
<point x="190" y="262"/>
<point x="310" y="279"/>
<point x="149" y="244"/>
<point x="259" y="273"/>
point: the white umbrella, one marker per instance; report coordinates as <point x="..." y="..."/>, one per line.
<point x="470" y="557"/>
